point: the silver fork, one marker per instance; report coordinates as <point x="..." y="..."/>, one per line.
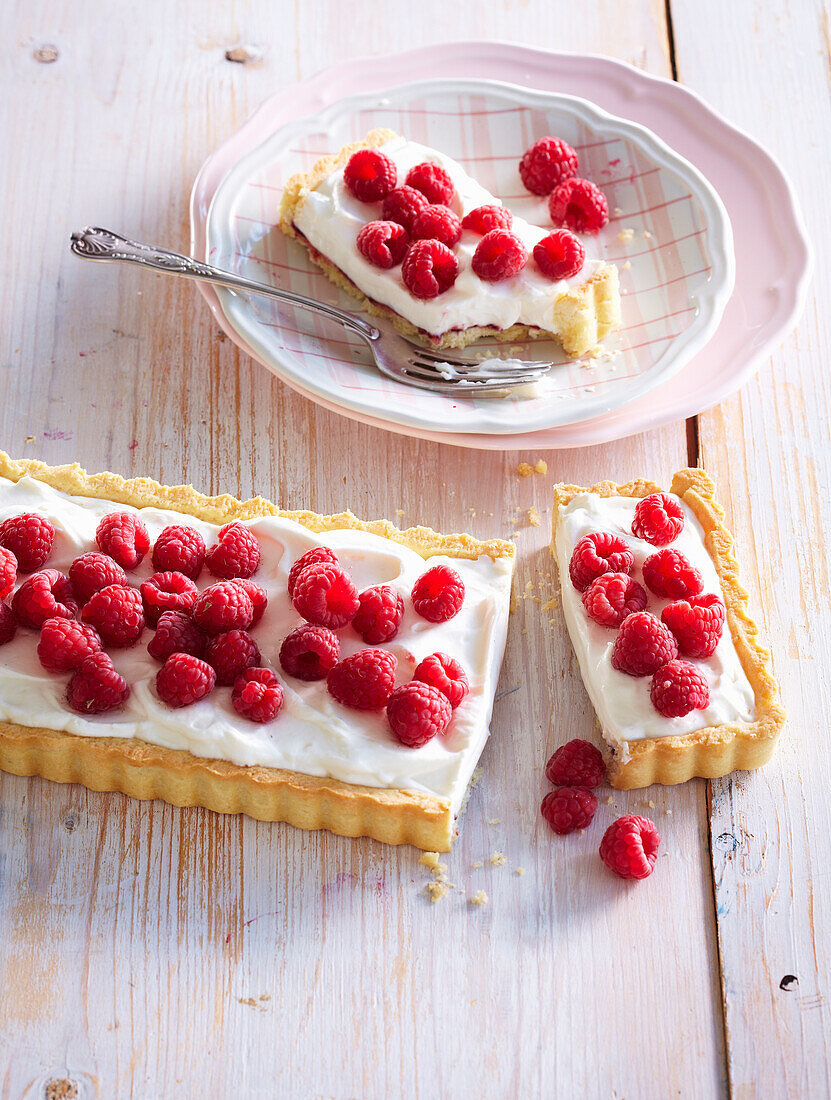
<point x="394" y="356"/>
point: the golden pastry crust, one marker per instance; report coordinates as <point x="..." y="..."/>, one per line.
<point x="715" y="750"/>
<point x="143" y="770"/>
<point x="583" y="314"/>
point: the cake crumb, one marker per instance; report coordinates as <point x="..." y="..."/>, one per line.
<point x="429" y="859"/>
<point x="651" y="803"/>
<point x="477" y="865"/>
<point x="626" y="235"/>
<point x="493" y="821"/>
<point x="541" y="466"/>
<point x="609" y="800"/>
<point x="479" y="898"/>
<point x="551" y="604"/>
<point x="399" y="511"/>
<point x="525" y="469"/>
<point x="626" y="265"/>
<point x="534" y="518"/>
<point x="436" y="890"/>
<point x="497" y="859"/>
<point x="617" y="211"/>
<point x="647" y="236"/>
<point x="519" y="871"/>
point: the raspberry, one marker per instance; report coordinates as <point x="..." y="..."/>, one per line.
<point x="236" y="554"/>
<point x="176" y="633"/>
<point x="596" y="554"/>
<point x="678" y="688"/>
<point x="379" y="614"/>
<point x="370" y="175"/>
<point x="316" y="556"/>
<point x="431" y="180"/>
<point x="309" y="652"/>
<point x="446" y="675"/>
<point x="223" y="606"/>
<point x="8" y="624"/>
<point x="697" y="624"/>
<point x="611" y="597"/>
<point x="257" y="694"/>
<point x="179" y="550"/>
<point x="417" y="712"/>
<point x="117" y="614"/>
<point x="183" y="679"/>
<point x="325" y="595"/>
<point x="91" y="572"/>
<point x="559" y="255"/>
<point x="568" y="809"/>
<point x="429" y="269"/>
<point x="547" y="163"/>
<point x="403" y="205"/>
<point x="167" y="592"/>
<point x="259" y="600"/>
<point x="365" y="680"/>
<point x="578" y="205"/>
<point x="576" y="764"/>
<point x="437" y="223"/>
<point x="383" y="244"/>
<point x="630" y="846"/>
<point x="499" y="255"/>
<point x="438" y="594"/>
<point x="8" y="572"/>
<point x="124" y="537"/>
<point x="643" y="644"/>
<point x="483" y="219"/>
<point x="230" y="654"/>
<point x="671" y="576"/>
<point x="44" y="595"/>
<point x="659" y="519"/>
<point x="30" y="538"/>
<point x="95" y="686"/>
<point x="64" y="643"/>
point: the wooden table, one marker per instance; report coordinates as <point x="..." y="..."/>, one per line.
<point x="154" y="952"/>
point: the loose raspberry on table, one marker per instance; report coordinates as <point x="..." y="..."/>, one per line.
<point x="325" y="595"/>
<point x="93" y="571"/>
<point x="167" y="592"/>
<point x="659" y="519"/>
<point x="578" y="205"/>
<point x="8" y="624"/>
<point x="379" y="614"/>
<point x="403" y="205"/>
<point x="124" y="537"/>
<point x="429" y="269"/>
<point x="437" y="223"/>
<point x="117" y="614"/>
<point x="259" y="600"/>
<point x="643" y="644"/>
<point x="176" y="633"/>
<point x="446" y="674"/>
<point x="630" y="846"/>
<point x="30" y="538"/>
<point x="596" y="554"/>
<point x="499" y="255"/>
<point x="64" y="643"/>
<point x="230" y="654"/>
<point x="546" y="164"/>
<point x="438" y="594"/>
<point x="678" y="688"/>
<point x="417" y="712"/>
<point x="576" y="764"/>
<point x="235" y="554"/>
<point x="365" y="680"/>
<point x="568" y="809"/>
<point x="697" y="624"/>
<point x="370" y="175"/>
<point x="95" y="686"/>
<point x="560" y="255"/>
<point x="431" y="180"/>
<point x="179" y="549"/>
<point x="671" y="576"/>
<point x="383" y="244"/>
<point x="611" y="597"/>
<point x="8" y="572"/>
<point x="257" y="695"/>
<point x="45" y="595"/>
<point x="183" y="679"/>
<point x="309" y="652"/>
<point x="318" y="555"/>
<point x="223" y="606"/>
<point x="483" y="219"/>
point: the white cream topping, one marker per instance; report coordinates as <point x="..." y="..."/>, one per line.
<point x="330" y="218"/>
<point x="622" y="702"/>
<point x="313" y="733"/>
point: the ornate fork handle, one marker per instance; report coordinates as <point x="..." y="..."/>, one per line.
<point x="93" y="243"/>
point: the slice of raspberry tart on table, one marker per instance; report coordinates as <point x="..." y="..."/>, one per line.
<point x="209" y="651"/>
<point x="405" y="230"/>
<point x="660" y="625"/>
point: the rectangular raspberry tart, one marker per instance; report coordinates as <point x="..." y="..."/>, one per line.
<point x="235" y="721"/>
<point x="660" y="626"/>
<point x="320" y="210"/>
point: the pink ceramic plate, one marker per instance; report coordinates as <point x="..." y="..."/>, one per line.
<point x="768" y="236"/>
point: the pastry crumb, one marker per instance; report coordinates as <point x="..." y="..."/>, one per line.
<point x="626" y="265"/>
<point x="477" y="775"/>
<point x="479" y="898"/>
<point x="534" y="518"/>
<point x="493" y="821"/>
<point x="519" y="871"/>
<point x="609" y="800"/>
<point x="399" y="511"/>
<point x="626" y="235"/>
<point x="651" y="803"/>
<point x="525" y="469"/>
<point x="541" y="466"/>
<point x="647" y="236"/>
<point x="436" y="890"/>
<point x="477" y="865"/>
<point x="498" y="859"/>
<point x="429" y="859"/>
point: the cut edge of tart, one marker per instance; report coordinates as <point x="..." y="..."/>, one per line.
<point x="714" y="750"/>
